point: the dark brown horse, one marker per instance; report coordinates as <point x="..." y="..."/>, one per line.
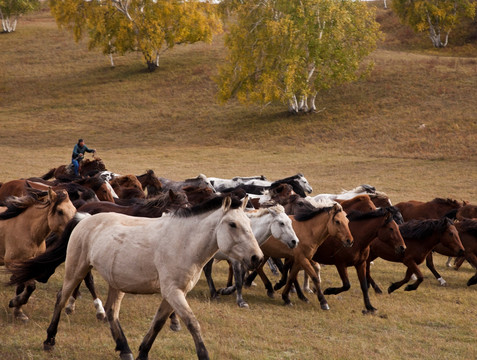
<point x="86" y="168"/>
<point x="150" y="183"/>
<point x="127" y="187"/>
<point x="468" y="211"/>
<point x="420" y="236"/>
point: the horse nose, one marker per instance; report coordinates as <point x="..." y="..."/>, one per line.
<point x="255" y="261"/>
<point x="349" y="242"/>
<point x="293" y="244"/>
<point x="401" y="249"/>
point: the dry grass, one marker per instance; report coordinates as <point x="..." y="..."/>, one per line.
<point x="53" y="91"/>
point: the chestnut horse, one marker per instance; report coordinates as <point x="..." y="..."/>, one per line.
<point x="312" y="228"/>
<point x="467" y="211"/>
<point x="434" y="209"/>
<point x="127" y="187"/>
<point x="24" y="225"/>
<point x="420" y="236"/>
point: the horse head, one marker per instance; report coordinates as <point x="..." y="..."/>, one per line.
<point x="61" y="210"/>
<point x="282" y="227"/>
<point x="235" y="236"/>
<point x="338" y="225"/>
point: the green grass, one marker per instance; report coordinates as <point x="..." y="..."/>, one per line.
<point x="53" y="91"/>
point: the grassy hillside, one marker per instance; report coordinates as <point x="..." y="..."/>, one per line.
<point x="53" y="91"/>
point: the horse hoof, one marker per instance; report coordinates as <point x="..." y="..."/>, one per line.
<point x="49" y="345"/>
<point x="369" y="311"/>
<point x="309" y="291"/>
<point x="271" y="294"/>
<point x="175" y="327"/>
<point x="101" y="316"/>
<point x="69" y="310"/>
<point x="325" y="307"/>
<point x="126" y="356"/>
<point x="288" y="304"/>
<point x="243" y="305"/>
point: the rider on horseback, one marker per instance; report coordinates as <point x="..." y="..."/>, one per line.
<point x="78" y="154"/>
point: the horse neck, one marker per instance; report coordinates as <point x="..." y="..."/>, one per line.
<point x="262" y="227"/>
<point x="36" y="220"/>
<point x="312" y="232"/>
<point x="365" y="231"/>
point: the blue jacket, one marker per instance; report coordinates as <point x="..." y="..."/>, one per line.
<point x="77" y="150"/>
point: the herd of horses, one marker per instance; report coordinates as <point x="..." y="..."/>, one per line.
<point x="146" y="234"/>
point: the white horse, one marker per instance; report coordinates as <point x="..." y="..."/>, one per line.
<point x="265" y="222"/>
<point x="146" y="256"/>
<point x="349" y="194"/>
<point x="220" y="184"/>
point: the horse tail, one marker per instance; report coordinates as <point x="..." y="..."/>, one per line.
<point x="41" y="267"/>
<point x="49" y="174"/>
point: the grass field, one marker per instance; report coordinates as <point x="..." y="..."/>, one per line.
<point x="53" y="91"/>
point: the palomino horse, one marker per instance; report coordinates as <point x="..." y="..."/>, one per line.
<point x="24" y="225"/>
<point x="312" y="228"/>
<point x="146" y="256"/>
<point x="420" y="236"/>
<point x="266" y="222"/>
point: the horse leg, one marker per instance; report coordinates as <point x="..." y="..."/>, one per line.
<point x="113" y="304"/>
<point x="89" y="282"/>
<point x="448" y="262"/>
<point x="234" y="265"/>
<point x="430" y="266"/>
<point x="396" y="285"/>
<point x="23" y="293"/>
<point x="283" y="280"/>
<point x="230" y="278"/>
<point x="265" y="280"/>
<point x="70" y="307"/>
<point x="419" y="280"/>
<point x="208" y="275"/>
<point x="291" y="277"/>
<point x="178" y="302"/>
<point x="370" y="280"/>
<point x="175" y="324"/>
<point x="164" y="311"/>
<point x="239" y="273"/>
<point x="459" y="261"/>
<point x="343" y="272"/>
<point x="70" y="283"/>
<point x="361" y="271"/>
<point x="316" y="279"/>
<point x="472" y="259"/>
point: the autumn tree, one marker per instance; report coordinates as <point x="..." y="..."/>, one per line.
<point x="438" y="17"/>
<point x="148" y="26"/>
<point x="11" y="10"/>
<point x="288" y="51"/>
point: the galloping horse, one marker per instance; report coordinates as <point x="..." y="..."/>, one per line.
<point x="266" y="222"/>
<point x="200" y="180"/>
<point x="146" y="256"/>
<point x="434" y="209"/>
<point x="125" y="185"/>
<point x="467" y="211"/>
<point x="420" y="236"/>
<point x="312" y="228"/>
<point x="87" y="167"/>
<point x="379" y="198"/>
<point x="24" y="225"/>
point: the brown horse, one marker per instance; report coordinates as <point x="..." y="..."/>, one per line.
<point x="420" y="236"/>
<point x="434" y="209"/>
<point x="150" y="183"/>
<point x="127" y="187"/>
<point x="312" y="228"/>
<point x="467" y="211"/>
<point x="87" y="167"/>
<point x="24" y="225"/>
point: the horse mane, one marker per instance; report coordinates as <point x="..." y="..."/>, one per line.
<point x="93" y="182"/>
<point x="49" y="174"/>
<point x="420" y="229"/>
<point x="468" y="226"/>
<point x="304" y="214"/>
<point x="266" y="210"/>
<point x="368" y="189"/>
<point x="206" y="206"/>
<point x="450" y="202"/>
<point x="17" y="205"/>
<point x="358" y="215"/>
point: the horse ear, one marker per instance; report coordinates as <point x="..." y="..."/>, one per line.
<point x="244" y="202"/>
<point x="337" y="208"/>
<point x="51" y="194"/>
<point x="172" y="195"/>
<point x="226" y="203"/>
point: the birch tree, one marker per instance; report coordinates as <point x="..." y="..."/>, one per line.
<point x="438" y="17"/>
<point x="148" y="26"/>
<point x="288" y="51"/>
<point x="11" y="10"/>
